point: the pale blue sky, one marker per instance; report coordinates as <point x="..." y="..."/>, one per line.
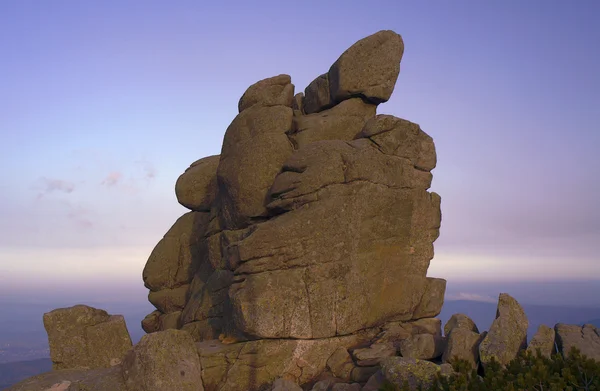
<point x="104" y="104"/>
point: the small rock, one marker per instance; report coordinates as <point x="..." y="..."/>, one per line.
<point x="418" y="373"/>
<point x="372" y="355"/>
<point x="543" y="340"/>
<point x="285" y="385"/>
<point x="362" y="374"/>
<point x="460" y="321"/>
<point x="463" y="344"/>
<point x="346" y="387"/>
<point x="422" y="346"/>
<point x="340" y="363"/>
<point x="375" y="382"/>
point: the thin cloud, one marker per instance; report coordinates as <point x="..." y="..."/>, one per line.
<point x="55" y="185"/>
<point x="148" y="168"/>
<point x="150" y="171"/>
<point x="471" y="297"/>
<point x="79" y="216"/>
<point x="112" y="179"/>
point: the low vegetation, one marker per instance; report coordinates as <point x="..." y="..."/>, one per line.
<point x="528" y="372"/>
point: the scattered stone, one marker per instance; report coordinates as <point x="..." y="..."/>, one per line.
<point x="418" y="373"/>
<point x="85" y="337"/>
<point x="371" y="356"/>
<point x="543" y="340"/>
<point x="460" y="321"/>
<point x="362" y="374"/>
<point x="324" y="385"/>
<point x="163" y="361"/>
<point x="507" y="335"/>
<point x="101" y="379"/>
<point x="285" y="385"/>
<point x="340" y="363"/>
<point x="586" y="338"/>
<point x="375" y="382"/>
<point x="422" y="346"/>
<point x="346" y="387"/>
<point x="463" y="344"/>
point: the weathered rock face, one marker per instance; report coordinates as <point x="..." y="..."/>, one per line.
<point x="459" y="321"/>
<point x="163" y="361"/>
<point x="586" y="338"/>
<point x="369" y="68"/>
<point x="543" y="340"/>
<point x="417" y="373"/>
<point x="508" y="333"/>
<point x="314" y="221"/>
<point x="85" y="337"/>
<point x="463" y="344"/>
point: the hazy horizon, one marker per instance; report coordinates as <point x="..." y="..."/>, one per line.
<point x="104" y="105"/>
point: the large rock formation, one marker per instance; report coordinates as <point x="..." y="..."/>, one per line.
<point x="313" y="222"/>
<point x="306" y="248"/>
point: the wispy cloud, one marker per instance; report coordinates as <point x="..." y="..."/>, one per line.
<point x="54" y="185"/>
<point x="112" y="179"/>
<point x="148" y="168"/>
<point x="471" y="297"/>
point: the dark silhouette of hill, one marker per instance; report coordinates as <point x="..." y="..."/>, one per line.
<point x="13" y="372"/>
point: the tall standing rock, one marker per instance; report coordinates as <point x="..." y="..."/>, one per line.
<point x="508" y="333"/>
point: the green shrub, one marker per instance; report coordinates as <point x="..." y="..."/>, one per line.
<point x="528" y="372"/>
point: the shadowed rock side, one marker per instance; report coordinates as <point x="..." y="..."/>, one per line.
<point x="315" y="220"/>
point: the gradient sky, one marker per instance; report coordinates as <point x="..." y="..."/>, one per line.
<point x="104" y="104"/>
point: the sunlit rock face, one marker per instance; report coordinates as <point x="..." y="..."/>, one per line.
<point x="315" y="220"/>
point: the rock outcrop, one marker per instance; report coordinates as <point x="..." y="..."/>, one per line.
<point x="313" y="217"/>
<point x="507" y="335"/>
<point x="83" y="337"/>
<point x="302" y="261"/>
<point x="586" y="338"/>
<point x="543" y="341"/>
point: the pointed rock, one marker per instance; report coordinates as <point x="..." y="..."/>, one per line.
<point x="508" y="333"/>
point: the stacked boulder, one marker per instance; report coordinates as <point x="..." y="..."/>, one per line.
<point x="314" y="221"/>
<point x="302" y="261"/>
